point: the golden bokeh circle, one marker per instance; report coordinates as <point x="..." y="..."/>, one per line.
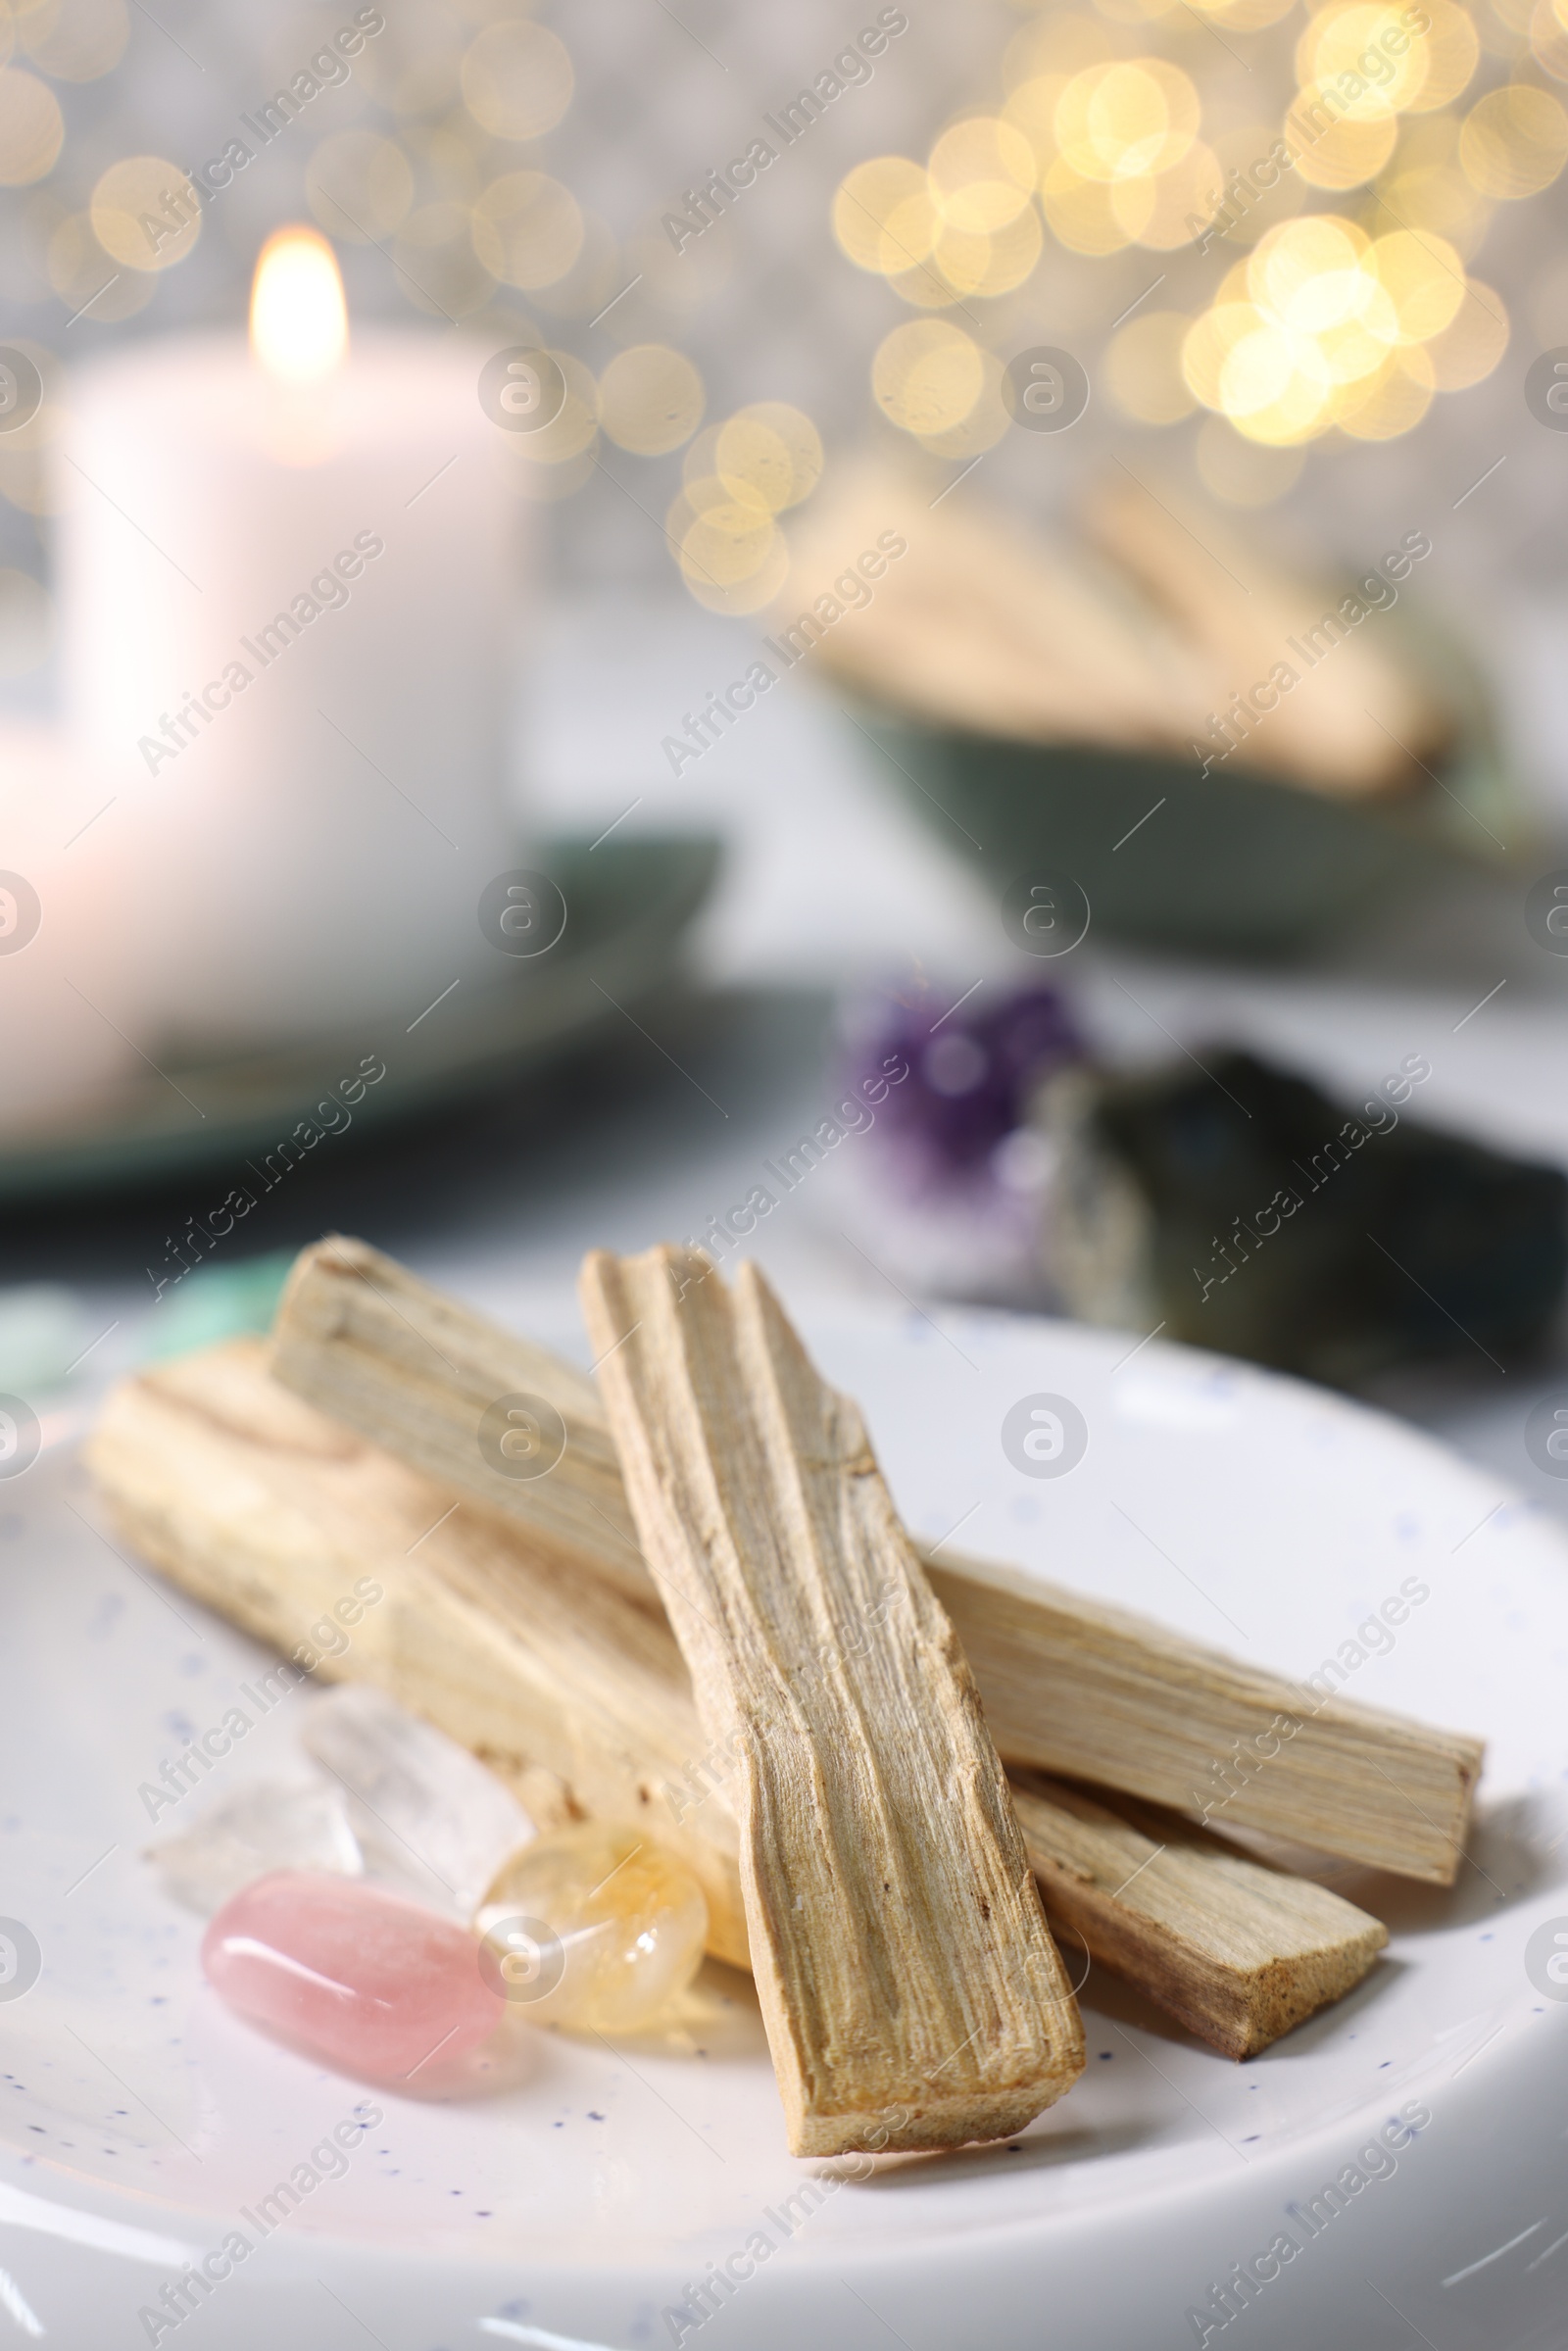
<point x="528" y="229"/>
<point x="1243" y="16"/>
<point x="1424" y="279"/>
<point x="1081" y="212"/>
<point x="1258" y="371"/>
<point x="1548" y="40"/>
<point x="1393" y="401"/>
<point x="1356" y="346"/>
<point x="1303" y="272"/>
<point x="926" y="287"/>
<point x="1348" y="35"/>
<point x="1338" y="150"/>
<point x="74" y="40"/>
<point x="145" y="213"/>
<point x="699" y="465"/>
<point x="1174" y="206"/>
<point x="727" y="542"/>
<point x="1031" y="108"/>
<point x="983" y="174"/>
<point x="1300" y="413"/>
<point x="651" y="399"/>
<point x="752" y="594"/>
<point x="1436" y="199"/>
<point x="927" y="375"/>
<point x="909" y="233"/>
<point x="1469" y="348"/>
<point x="33" y="129"/>
<point x="517" y="79"/>
<point x="1452" y="49"/>
<point x="1272" y="382"/>
<point x="1514" y="143"/>
<point x="984" y="425"/>
<point x="771" y="452"/>
<point x="1208" y="344"/>
<point x="867" y="200"/>
<point x="1127" y="118"/>
<point x="87" y="280"/>
<point x="975" y="264"/>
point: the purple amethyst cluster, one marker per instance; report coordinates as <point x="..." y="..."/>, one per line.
<point x="972" y="1073"/>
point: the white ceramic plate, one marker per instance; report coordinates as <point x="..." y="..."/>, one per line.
<point x="578" y="2199"/>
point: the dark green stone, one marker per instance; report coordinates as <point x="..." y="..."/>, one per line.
<point x="1295" y="1229"/>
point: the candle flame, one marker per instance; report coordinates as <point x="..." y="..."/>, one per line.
<point x="299" y="320"/>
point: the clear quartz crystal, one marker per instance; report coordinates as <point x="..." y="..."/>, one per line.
<point x="598" y="1928"/>
<point x="426" y="1813"/>
<point x="272" y="1826"/>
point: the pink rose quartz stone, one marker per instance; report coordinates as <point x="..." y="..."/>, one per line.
<point x="373" y="1984"/>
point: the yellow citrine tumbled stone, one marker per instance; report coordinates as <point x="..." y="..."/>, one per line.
<point x="597" y="1927"/>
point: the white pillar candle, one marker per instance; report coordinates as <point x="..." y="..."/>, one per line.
<point x="63" y="1041"/>
<point x="287" y="591"/>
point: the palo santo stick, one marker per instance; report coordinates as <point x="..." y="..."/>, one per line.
<point x="979" y="623"/>
<point x="911" y="1994"/>
<point x="387" y="1334"/>
<point x="1237" y="1951"/>
<point x="1359" y="724"/>
<point x="1068" y="1686"/>
<point x="271" y="1513"/>
<point x="1097" y="1693"/>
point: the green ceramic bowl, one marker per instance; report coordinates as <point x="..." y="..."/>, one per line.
<point x="1231" y="862"/>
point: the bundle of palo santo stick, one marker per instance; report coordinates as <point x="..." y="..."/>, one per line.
<point x="1130" y="631"/>
<point x="697" y="1607"/>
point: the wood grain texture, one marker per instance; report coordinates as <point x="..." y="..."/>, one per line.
<point x="366" y="1339"/>
<point x="1095" y="635"/>
<point x="266" y="1511"/>
<point x="1349" y="728"/>
<point x="1097" y="1693"/>
<point x="1069" y="1684"/>
<point x="1237" y="1951"/>
<point x="911" y="1994"/>
<point x="271" y="1513"/>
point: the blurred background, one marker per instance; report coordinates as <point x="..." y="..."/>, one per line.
<point x="879" y="647"/>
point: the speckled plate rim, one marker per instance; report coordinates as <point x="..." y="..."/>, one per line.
<point x="1206" y="1485"/>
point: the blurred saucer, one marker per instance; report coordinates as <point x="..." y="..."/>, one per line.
<point x="628" y="901"/>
